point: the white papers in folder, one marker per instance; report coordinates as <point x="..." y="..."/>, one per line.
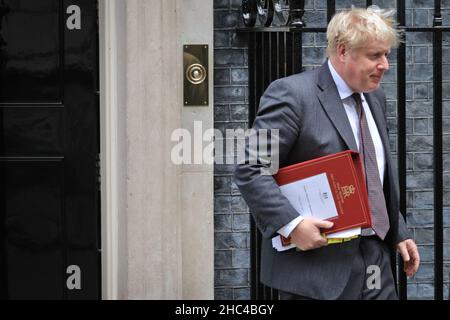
<point x="312" y="197"/>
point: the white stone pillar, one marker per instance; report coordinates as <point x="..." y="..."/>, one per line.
<point x="157" y="217"/>
<point x="153" y="181"/>
<point x="198" y="180"/>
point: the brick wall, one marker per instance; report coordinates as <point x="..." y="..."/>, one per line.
<point x="231" y="218"/>
<point x="232" y="255"/>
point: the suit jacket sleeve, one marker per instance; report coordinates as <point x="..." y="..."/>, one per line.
<point x="278" y="109"/>
<point x="403" y="232"/>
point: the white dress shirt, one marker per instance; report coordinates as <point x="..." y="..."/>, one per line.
<point x="350" y="109"/>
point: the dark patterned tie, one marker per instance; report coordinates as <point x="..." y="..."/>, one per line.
<point x="380" y="219"/>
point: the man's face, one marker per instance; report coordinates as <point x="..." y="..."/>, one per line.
<point x="364" y="67"/>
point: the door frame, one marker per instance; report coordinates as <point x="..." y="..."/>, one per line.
<point x="112" y="42"/>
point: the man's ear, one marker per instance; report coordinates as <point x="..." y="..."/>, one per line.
<point x="341" y="51"/>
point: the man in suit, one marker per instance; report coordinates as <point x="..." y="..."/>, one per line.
<point x="336" y="107"/>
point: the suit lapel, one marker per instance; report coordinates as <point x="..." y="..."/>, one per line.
<point x="332" y="104"/>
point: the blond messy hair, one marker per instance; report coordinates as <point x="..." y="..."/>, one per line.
<point x="357" y="26"/>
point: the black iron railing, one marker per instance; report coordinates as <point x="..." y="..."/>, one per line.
<point x="276" y="51"/>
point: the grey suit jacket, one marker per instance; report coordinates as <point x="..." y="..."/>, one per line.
<point x="309" y="113"/>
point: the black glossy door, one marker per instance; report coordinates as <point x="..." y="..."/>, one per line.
<point x="49" y="142"/>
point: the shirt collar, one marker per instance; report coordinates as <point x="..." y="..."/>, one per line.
<point x="342" y="87"/>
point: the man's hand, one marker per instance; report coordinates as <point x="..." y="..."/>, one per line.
<point x="410" y="254"/>
<point x="306" y="236"/>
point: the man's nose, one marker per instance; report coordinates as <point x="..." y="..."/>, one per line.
<point x="384" y="64"/>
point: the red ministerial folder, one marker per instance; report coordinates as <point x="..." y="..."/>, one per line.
<point x="345" y="176"/>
